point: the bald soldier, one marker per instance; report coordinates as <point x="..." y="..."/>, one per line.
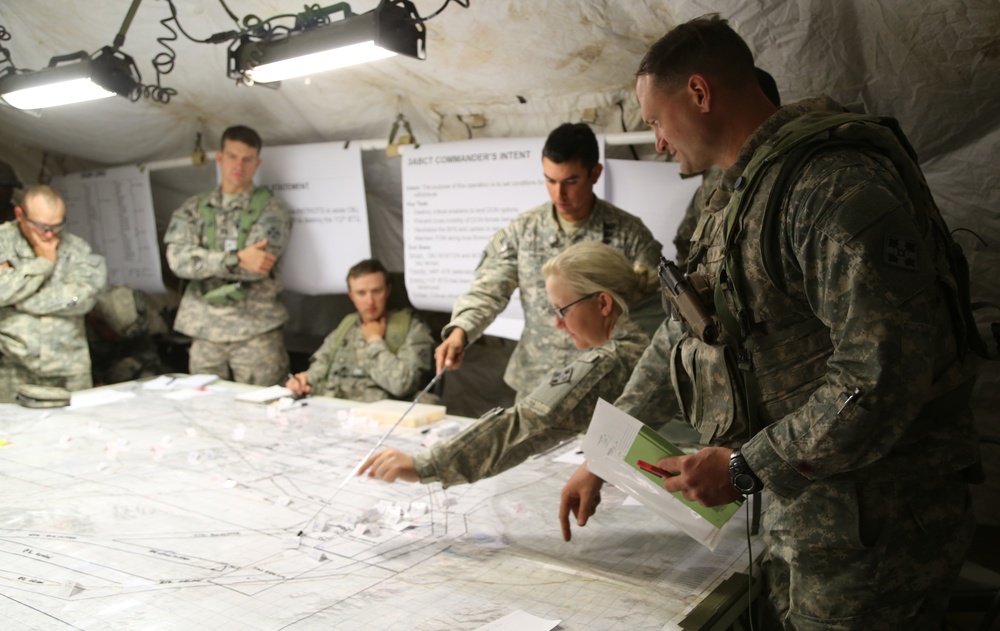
<point x="49" y="280"/>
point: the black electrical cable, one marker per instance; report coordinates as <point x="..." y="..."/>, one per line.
<point x="232" y="16"/>
<point x="462" y="3"/>
<point x="163" y="63"/>
<point x="4" y="52"/>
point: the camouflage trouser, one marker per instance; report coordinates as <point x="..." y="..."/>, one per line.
<point x="869" y="556"/>
<point x="260" y="360"/>
<point x="13" y="375"/>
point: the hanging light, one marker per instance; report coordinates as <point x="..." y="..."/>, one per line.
<point x="110" y="73"/>
<point x="316" y="44"/>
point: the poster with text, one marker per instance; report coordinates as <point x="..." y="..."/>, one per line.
<point x="323" y="186"/>
<point x="456" y="195"/>
<point x="112" y="209"/>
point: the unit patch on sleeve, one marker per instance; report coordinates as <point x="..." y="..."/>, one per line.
<point x="901" y="252"/>
<point x="561" y="376"/>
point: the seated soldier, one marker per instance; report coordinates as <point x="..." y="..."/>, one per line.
<point x="589" y="286"/>
<point x="373" y="354"/>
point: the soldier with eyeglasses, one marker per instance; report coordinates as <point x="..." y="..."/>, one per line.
<point x="49" y="280"/>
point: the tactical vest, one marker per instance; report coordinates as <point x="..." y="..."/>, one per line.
<point x="795" y="144"/>
<point x="396" y="330"/>
<point x="229" y="293"/>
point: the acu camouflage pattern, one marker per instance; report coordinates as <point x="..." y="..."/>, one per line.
<point x="189" y="258"/>
<point x="558" y="409"/>
<point x="513" y="259"/>
<point x="661" y="388"/>
<point x="886" y="465"/>
<point x="360" y="371"/>
<point x="692" y="231"/>
<point x="42" y="309"/>
<point x="259" y="361"/>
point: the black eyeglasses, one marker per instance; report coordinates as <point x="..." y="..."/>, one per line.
<point x="55" y="228"/>
<point x="560" y="312"/>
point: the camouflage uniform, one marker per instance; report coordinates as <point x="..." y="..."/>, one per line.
<point x="693" y="220"/>
<point x="870" y="516"/>
<point x="557" y="410"/>
<point x="245" y="337"/>
<point x="42" y="307"/>
<point x="650" y="395"/>
<point x="363" y="371"/>
<point x="513" y="260"/>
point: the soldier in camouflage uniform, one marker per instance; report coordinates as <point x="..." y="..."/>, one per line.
<point x="699" y="225"/>
<point x="863" y="431"/>
<point x="514" y="256"/>
<point x="594" y="283"/>
<point x="49" y="280"/>
<point x="225" y="243"/>
<point x="373" y="354"/>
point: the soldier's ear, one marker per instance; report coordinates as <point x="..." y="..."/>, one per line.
<point x="606" y="303"/>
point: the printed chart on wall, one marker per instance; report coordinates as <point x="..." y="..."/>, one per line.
<point x="456" y="195"/>
<point x="112" y="210"/>
<point x="324" y="188"/>
<point x="186" y="510"/>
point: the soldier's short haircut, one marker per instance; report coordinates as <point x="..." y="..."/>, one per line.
<point x="571" y="142"/>
<point x="589" y="267"/>
<point x="706" y="45"/>
<point x="768" y="85"/>
<point x="368" y="266"/>
<point x="244" y="134"/>
<point x="43" y="192"/>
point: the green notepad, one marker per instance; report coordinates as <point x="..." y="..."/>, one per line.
<point x="649" y="446"/>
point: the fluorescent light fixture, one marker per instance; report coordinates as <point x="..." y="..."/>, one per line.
<point x="391" y="28"/>
<point x="318" y="62"/>
<point x="85" y="80"/>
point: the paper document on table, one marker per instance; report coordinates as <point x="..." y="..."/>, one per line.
<point x="265" y="395"/>
<point x="98" y="397"/>
<point x="614" y="444"/>
<point x="520" y="621"/>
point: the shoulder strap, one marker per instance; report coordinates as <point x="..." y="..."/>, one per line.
<point x="338" y="339"/>
<point x="207" y="219"/>
<point x="397" y="329"/>
<point x="251" y="214"/>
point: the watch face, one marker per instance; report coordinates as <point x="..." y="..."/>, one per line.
<point x="743" y="482"/>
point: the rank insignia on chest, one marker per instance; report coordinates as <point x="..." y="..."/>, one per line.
<point x="901" y="252"/>
<point x="561" y="376"/>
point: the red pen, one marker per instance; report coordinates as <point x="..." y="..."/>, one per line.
<point x="653" y="469"/>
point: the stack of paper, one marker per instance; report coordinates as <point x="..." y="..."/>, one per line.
<point x="616" y="442"/>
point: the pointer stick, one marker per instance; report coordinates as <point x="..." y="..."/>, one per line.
<point x="378" y="444"/>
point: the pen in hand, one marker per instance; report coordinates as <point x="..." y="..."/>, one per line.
<point x="653" y="469"/>
<point x="300" y="391"/>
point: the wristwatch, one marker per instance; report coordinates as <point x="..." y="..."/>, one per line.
<point x="231" y="260"/>
<point x="741" y="476"/>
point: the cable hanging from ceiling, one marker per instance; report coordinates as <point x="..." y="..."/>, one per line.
<point x="261" y="51"/>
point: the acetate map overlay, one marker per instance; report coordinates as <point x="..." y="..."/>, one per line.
<point x="154" y="513"/>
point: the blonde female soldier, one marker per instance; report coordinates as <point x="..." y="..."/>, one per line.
<point x="589" y="286"/>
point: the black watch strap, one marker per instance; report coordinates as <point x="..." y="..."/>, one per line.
<point x="741" y="476"/>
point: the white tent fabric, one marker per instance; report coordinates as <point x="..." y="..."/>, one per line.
<point x="519" y="68"/>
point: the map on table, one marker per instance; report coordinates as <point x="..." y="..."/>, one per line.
<point x="155" y="511"/>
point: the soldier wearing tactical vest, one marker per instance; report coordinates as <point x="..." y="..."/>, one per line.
<point x="845" y="367"/>
<point x="373" y="354"/>
<point x="225" y="244"/>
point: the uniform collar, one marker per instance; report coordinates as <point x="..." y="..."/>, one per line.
<point x="767" y="129"/>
